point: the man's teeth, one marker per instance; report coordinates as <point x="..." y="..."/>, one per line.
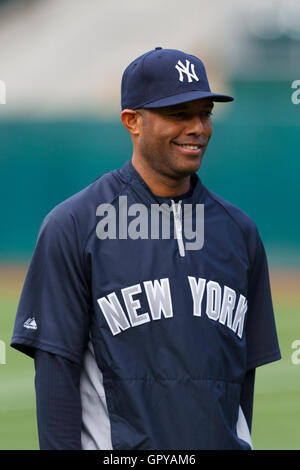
<point x="191" y="147"/>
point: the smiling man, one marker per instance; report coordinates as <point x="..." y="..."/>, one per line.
<point x="144" y="342"/>
<point x="169" y="142"/>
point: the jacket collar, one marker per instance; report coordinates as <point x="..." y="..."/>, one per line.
<point x="129" y="174"/>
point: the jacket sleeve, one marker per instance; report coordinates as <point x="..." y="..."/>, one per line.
<point x="261" y="334"/>
<point x="54" y="308"/>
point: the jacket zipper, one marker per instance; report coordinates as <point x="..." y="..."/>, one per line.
<point x="177" y="211"/>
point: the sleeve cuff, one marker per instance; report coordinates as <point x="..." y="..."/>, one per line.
<point x="28" y="347"/>
<point x="265" y="359"/>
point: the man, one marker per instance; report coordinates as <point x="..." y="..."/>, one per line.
<point x="147" y="336"/>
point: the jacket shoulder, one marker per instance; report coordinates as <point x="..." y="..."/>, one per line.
<point x="241" y="219"/>
<point x="76" y="215"/>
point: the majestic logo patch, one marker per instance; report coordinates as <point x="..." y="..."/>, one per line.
<point x="30" y="323"/>
<point x="185" y="69"/>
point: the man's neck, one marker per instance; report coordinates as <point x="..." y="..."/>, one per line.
<point x="161" y="185"/>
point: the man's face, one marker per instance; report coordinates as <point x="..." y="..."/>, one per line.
<point x="173" y="139"/>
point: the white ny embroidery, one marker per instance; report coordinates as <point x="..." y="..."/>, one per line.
<point x="185" y="69"/>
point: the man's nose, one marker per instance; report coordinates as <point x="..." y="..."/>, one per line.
<point x="196" y="126"/>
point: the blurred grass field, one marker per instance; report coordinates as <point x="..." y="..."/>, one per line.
<point x="277" y="392"/>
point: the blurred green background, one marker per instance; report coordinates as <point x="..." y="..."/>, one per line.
<point x="252" y="161"/>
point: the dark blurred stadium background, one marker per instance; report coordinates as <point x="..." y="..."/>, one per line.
<point x="60" y="129"/>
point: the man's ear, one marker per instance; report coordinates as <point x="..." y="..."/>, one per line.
<point x="132" y="120"/>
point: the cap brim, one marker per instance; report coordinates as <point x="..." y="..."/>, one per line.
<point x="185" y="97"/>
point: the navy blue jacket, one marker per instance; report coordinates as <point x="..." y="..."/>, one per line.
<point x="164" y="335"/>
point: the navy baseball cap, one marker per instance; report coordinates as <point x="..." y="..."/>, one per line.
<point x="165" y="77"/>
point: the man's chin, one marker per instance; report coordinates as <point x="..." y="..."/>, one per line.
<point x="189" y="168"/>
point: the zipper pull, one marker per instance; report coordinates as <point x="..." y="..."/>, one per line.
<point x="177" y="210"/>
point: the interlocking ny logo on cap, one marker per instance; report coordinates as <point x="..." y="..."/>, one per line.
<point x="185" y="69"/>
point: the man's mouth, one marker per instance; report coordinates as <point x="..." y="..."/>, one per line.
<point x="190" y="146"/>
